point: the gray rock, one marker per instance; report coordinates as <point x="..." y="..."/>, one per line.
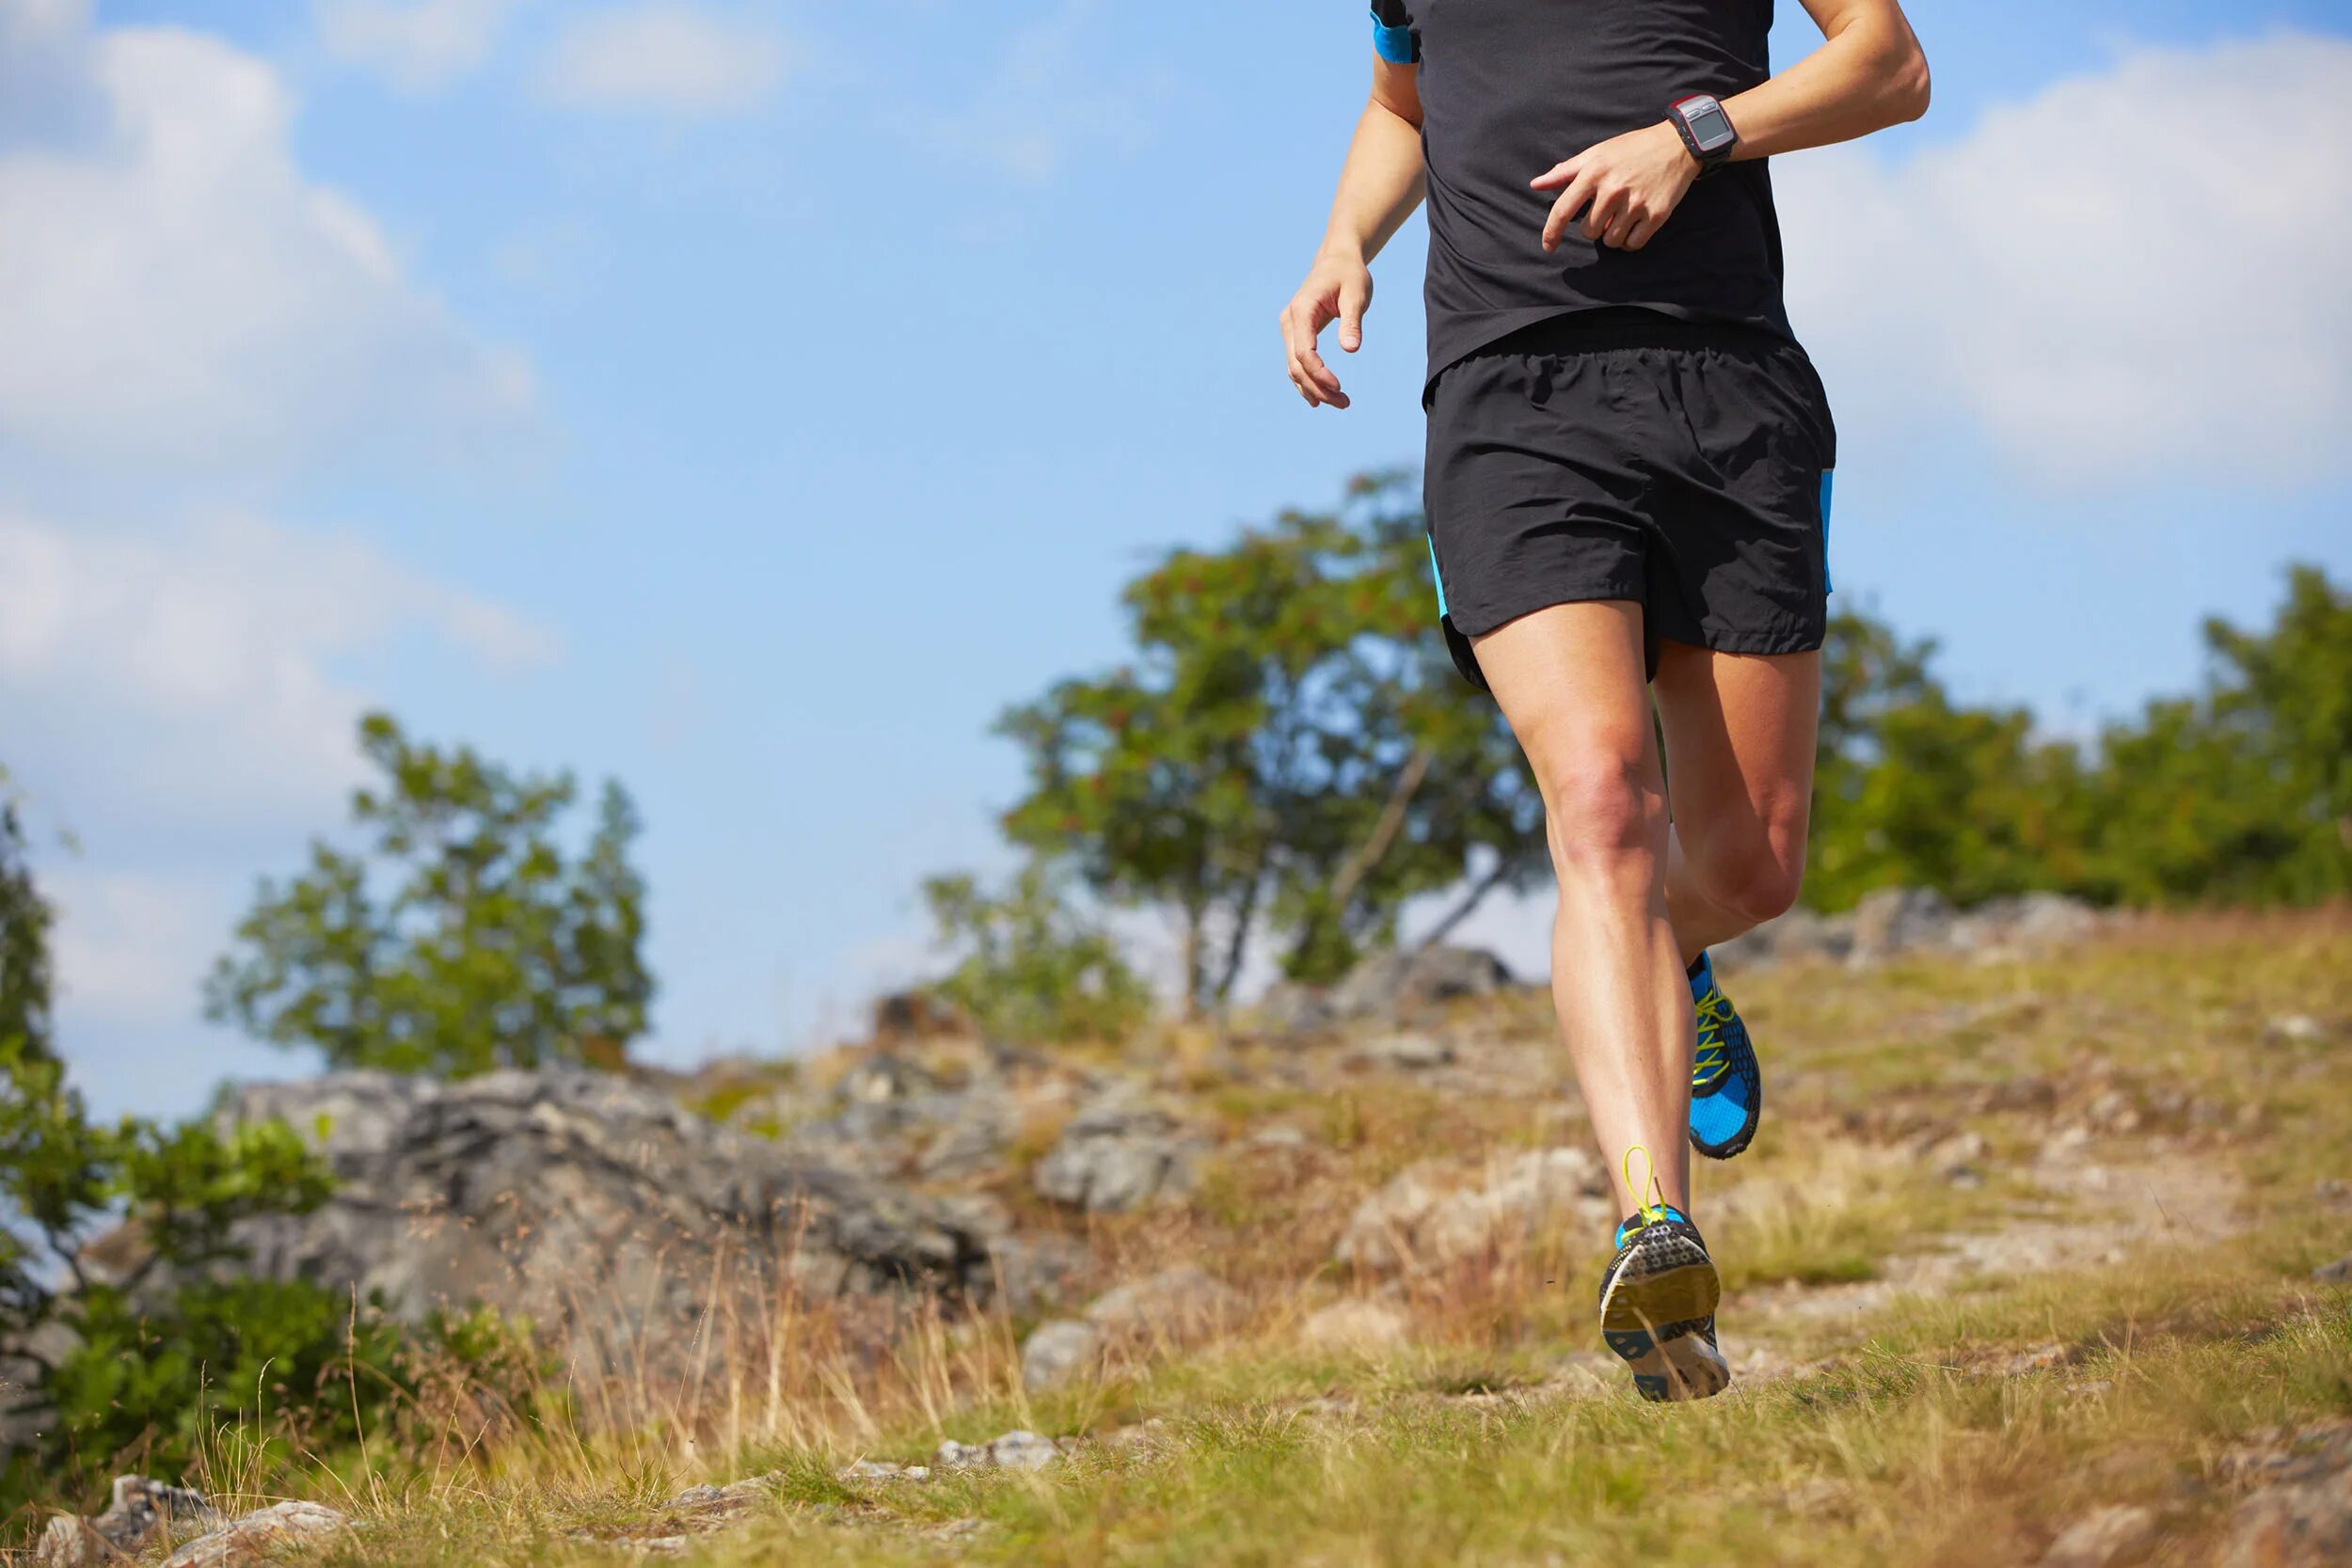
<point x="1173" y="1305"/>
<point x="136" y="1514"/>
<point x="258" y="1535"/>
<point x="1394" y="986"/>
<point x="1420" y="1221"/>
<point x="1014" y="1450"/>
<point x="1898" y="920"/>
<point x="2102" y="1538"/>
<point x="590" y="1204"/>
<point x="1116" y="1156"/>
<point x="1057" y="1352"/>
<point x="875" y="1469"/>
<point x="2337" y="1272"/>
<point x="1290" y="1008"/>
<point x="2304" y="1521"/>
<point x="1413" y="1053"/>
<point x="1891" y="921"/>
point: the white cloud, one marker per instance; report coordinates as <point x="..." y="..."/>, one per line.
<point x="133" y="948"/>
<point x="198" y="663"/>
<point x="2134" y="274"/>
<point x="174" y="293"/>
<point x="417" y="45"/>
<point x="669" y="57"/>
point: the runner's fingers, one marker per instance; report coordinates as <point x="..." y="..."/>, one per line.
<point x="1607" y="202"/>
<point x="1643" y="231"/>
<point x="1355" y="300"/>
<point x="1580" y="191"/>
<point x="1621" y="228"/>
<point x="1556" y="176"/>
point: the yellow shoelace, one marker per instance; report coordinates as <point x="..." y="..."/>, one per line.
<point x="1712" y="1061"/>
<point x="1651" y="1210"/>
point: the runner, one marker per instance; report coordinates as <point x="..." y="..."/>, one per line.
<point x="1627" y="483"/>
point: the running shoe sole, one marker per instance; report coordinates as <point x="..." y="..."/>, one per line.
<point x="1657" y="1315"/>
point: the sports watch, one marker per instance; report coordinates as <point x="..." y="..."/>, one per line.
<point x="1706" y="129"/>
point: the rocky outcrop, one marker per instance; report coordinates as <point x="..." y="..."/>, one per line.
<point x="1896" y="922"/>
<point x="593" y="1205"/>
<point x="1116" y="1155"/>
<point x="1425" y="1218"/>
<point x="139" y="1511"/>
<point x="1395" y="988"/>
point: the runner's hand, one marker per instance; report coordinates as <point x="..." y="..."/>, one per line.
<point x="1339" y="289"/>
<point x="1627" y="187"/>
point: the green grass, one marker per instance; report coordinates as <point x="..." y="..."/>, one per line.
<point x="1963" y="1421"/>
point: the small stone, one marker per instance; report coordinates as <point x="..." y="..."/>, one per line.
<point x="1018" y="1450"/>
<point x="1022" y="1450"/>
<point x="2298" y="1028"/>
<point x="254" y="1535"/>
<point x="2337" y="1272"/>
<point x="1057" y="1352"/>
<point x="1411" y="1053"/>
<point x="2102" y="1537"/>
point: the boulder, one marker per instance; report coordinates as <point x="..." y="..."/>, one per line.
<point x="592" y="1205"/>
<point x="1116" y="1156"/>
<point x="256" y="1536"/>
<point x="1057" y="1352"/>
<point x="1396" y="986"/>
<point x="2102" y="1538"/>
<point x="1420" y="1221"/>
<point x="139" y="1511"/>
<point x="1174" y="1304"/>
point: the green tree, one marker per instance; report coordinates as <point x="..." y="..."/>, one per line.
<point x="1288" y="750"/>
<point x="136" y="1358"/>
<point x="469" y="940"/>
<point x="1913" y="788"/>
<point x="1032" y="968"/>
<point x="2242" y="794"/>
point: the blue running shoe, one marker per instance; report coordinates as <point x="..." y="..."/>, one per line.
<point x="1657" y="1300"/>
<point x="1726" y="1086"/>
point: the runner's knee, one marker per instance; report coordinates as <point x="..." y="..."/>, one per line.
<point x="1602" y="815"/>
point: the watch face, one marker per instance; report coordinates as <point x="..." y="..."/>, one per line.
<point x="1710" y="125"/>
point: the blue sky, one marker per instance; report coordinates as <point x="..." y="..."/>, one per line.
<point x="749" y="401"/>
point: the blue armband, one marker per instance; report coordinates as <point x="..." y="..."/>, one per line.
<point x="1395" y="44"/>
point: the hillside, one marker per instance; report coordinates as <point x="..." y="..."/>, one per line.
<point x="2042" y="1258"/>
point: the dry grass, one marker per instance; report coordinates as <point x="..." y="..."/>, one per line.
<point x="1956" y="1415"/>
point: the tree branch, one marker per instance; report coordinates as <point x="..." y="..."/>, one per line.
<point x="1384" y="830"/>
<point x="1461" y="912"/>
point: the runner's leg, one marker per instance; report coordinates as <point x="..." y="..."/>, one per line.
<point x="1570" y="681"/>
<point x="1739" y="732"/>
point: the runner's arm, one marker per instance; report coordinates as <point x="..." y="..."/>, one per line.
<point x="1380" y="184"/>
<point x="1869" y="73"/>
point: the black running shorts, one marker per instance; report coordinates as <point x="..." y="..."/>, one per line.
<point x="1627" y="454"/>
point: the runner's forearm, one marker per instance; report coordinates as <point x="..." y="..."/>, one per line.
<point x="1869" y="73"/>
<point x="1379" y="185"/>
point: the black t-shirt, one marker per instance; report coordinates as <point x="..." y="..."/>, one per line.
<point x="1510" y="88"/>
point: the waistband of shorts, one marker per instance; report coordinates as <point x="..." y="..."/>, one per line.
<point x="1631" y="326"/>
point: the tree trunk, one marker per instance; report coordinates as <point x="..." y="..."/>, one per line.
<point x="1384" y="831"/>
<point x="1470" y="901"/>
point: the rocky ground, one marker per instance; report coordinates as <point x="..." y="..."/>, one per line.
<point x="2043" y="1260"/>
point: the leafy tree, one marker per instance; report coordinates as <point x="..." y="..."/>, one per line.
<point x="1287" y="751"/>
<point x="1913" y="788"/>
<point x="2244" y="793"/>
<point x="490" y="946"/>
<point x="146" y="1353"/>
<point x="1032" y="968"/>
